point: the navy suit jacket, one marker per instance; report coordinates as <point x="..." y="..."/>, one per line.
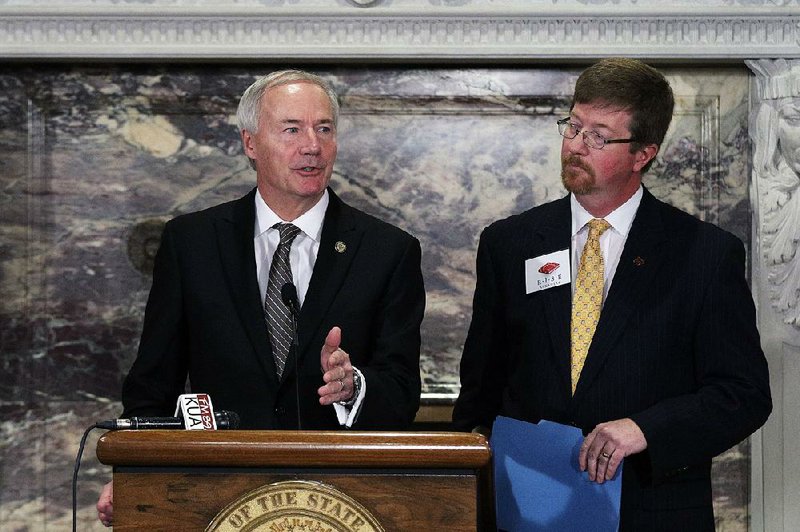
<point x="204" y="319"/>
<point x="676" y="350"/>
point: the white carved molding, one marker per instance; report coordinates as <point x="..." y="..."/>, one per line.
<point x="540" y="30"/>
<point x="775" y="196"/>
<point x="775" y="131"/>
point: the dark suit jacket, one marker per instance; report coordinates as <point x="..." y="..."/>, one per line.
<point x="204" y="319"/>
<point x="676" y="349"/>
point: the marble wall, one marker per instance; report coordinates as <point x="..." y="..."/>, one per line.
<point x="93" y="160"/>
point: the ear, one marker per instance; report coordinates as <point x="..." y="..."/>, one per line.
<point x="247" y="144"/>
<point x="644" y="155"/>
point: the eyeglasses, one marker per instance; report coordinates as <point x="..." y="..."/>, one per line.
<point x="595" y="140"/>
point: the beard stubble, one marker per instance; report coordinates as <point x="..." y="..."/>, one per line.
<point x="576" y="176"/>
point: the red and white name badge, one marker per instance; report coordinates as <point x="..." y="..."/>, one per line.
<point x="547" y="271"/>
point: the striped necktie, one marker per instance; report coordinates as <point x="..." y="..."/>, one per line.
<point x="280" y="324"/>
<point x="588" y="298"/>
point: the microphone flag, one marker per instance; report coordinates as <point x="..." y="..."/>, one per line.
<point x="196" y="411"/>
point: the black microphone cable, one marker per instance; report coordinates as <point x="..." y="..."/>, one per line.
<point x="75" y="477"/>
<point x="224" y="419"/>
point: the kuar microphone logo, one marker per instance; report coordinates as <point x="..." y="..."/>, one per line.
<point x="197" y="411"/>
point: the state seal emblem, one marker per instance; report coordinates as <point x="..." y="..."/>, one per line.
<point x="294" y="506"/>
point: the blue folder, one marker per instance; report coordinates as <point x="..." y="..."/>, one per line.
<point x="538" y="485"/>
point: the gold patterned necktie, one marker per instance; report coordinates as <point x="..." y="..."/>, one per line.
<point x="588" y="298"/>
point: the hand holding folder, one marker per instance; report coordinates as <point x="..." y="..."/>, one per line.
<point x="539" y="486"/>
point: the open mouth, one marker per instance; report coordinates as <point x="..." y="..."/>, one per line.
<point x="309" y="168"/>
<point x="308" y="171"/>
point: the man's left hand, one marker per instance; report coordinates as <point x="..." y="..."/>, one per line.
<point x="337" y="370"/>
<point x="105" y="505"/>
<point x="605" y="447"/>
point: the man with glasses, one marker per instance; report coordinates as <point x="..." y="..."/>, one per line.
<point x="616" y="313"/>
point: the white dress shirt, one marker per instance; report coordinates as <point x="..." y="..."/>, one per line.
<point x="612" y="241"/>
<point x="305" y="246"/>
<point x="302" y="256"/>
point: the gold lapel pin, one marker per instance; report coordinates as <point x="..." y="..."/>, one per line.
<point x="638" y="261"/>
<point x="340" y="247"/>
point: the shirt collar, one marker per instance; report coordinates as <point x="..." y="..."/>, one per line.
<point x="620" y="218"/>
<point x="310" y="222"/>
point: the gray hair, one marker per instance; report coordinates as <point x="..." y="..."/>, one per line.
<point x="249" y="105"/>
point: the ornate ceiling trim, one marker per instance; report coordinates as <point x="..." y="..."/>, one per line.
<point x="391" y="33"/>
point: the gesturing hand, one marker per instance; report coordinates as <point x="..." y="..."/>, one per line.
<point x="337" y="370"/>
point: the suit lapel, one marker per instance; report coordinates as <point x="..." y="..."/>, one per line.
<point x="338" y="247"/>
<point x="237" y="254"/>
<point x="554" y="233"/>
<point x="642" y="257"/>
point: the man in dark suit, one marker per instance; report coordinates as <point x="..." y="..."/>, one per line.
<point x="674" y="373"/>
<point x="358" y="281"/>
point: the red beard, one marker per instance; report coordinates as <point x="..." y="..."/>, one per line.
<point x="576" y="175"/>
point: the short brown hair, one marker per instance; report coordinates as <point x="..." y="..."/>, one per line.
<point x="630" y="85"/>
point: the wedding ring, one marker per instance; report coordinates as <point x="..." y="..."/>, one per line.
<point x="341" y="383"/>
<point x="605" y="455"/>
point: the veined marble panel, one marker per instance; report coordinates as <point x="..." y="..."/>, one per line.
<point x="96" y="158"/>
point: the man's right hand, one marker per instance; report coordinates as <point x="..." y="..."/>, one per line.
<point x="105" y="505"/>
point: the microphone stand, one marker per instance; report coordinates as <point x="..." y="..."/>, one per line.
<point x="289" y="297"/>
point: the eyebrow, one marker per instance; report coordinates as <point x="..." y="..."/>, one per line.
<point x="600" y="125"/>
<point x="298" y="121"/>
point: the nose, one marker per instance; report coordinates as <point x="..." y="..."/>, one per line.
<point x="576" y="144"/>
<point x="311" y="144"/>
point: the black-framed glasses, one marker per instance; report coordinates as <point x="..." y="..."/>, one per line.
<point x="569" y="130"/>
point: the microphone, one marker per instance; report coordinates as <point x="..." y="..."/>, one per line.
<point x="223" y="418"/>
<point x="289" y="297"/>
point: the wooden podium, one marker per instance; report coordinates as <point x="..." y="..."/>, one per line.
<point x="407" y="481"/>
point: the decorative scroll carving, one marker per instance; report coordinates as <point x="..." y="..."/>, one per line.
<point x="775" y="130"/>
<point x="556" y="31"/>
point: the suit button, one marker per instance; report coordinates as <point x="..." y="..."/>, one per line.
<point x="280" y="411"/>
